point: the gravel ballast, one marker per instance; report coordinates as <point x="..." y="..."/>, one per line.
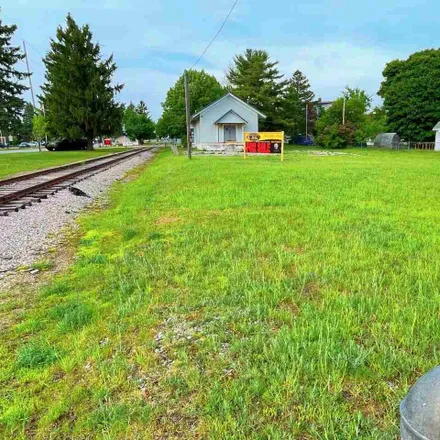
<point x="27" y="235"/>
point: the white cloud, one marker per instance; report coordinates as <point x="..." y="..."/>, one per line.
<point x="328" y="66"/>
<point x="145" y="84"/>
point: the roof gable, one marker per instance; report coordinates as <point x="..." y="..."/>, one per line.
<point x="437" y="127"/>
<point x="231" y="117"/>
<point x="228" y="95"/>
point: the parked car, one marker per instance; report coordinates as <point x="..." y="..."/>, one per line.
<point x="33" y="144"/>
<point x="2" y="145"/>
<point x="67" y="144"/>
<point x="24" y="145"/>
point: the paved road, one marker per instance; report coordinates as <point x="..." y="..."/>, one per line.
<point x="23" y="150"/>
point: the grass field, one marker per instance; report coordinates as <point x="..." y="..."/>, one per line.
<point x="223" y="298"/>
<point x="14" y="163"/>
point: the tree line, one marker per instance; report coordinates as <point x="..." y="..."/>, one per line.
<point x="410" y="92"/>
<point x="289" y="104"/>
<point x="78" y="97"/>
<point x="255" y="79"/>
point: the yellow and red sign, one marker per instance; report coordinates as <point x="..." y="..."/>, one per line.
<point x="264" y="143"/>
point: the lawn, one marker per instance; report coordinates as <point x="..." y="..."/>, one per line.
<point x="14" y="163"/>
<point x="226" y="298"/>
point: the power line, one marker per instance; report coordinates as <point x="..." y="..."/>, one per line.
<point x="216" y="35"/>
<point x="34" y="48"/>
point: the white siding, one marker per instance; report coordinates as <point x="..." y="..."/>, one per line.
<point x="196" y="126"/>
<point x="210" y="132"/>
<point x="437" y="141"/>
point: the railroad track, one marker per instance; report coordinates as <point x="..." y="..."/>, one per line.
<point x="22" y="191"/>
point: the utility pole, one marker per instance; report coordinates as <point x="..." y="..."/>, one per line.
<point x="30" y="83"/>
<point x="29" y="73"/>
<point x="188" y="115"/>
<point x="343" y="112"/>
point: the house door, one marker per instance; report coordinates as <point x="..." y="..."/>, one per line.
<point x="230" y="134"/>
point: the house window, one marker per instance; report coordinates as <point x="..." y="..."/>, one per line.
<point x="230" y="133"/>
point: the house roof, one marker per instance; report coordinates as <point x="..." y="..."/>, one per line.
<point x="437" y="127"/>
<point x="231" y="117"/>
<point x="231" y="95"/>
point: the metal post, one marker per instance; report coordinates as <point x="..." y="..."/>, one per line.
<point x="282" y="146"/>
<point x="188" y="115"/>
<point x="343" y="112"/>
<point x="307" y="120"/>
<point x="44" y="114"/>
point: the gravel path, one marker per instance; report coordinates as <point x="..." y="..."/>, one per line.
<point x="26" y="235"/>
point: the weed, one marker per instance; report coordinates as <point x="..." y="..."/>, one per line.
<point x="43" y="265"/>
<point x="128" y="234"/>
<point x="72" y="316"/>
<point x="96" y="259"/>
<point x="35" y="355"/>
<point x="59" y="287"/>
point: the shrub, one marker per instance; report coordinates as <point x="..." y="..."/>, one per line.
<point x="337" y="136"/>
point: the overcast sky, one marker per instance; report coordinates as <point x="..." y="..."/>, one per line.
<point x="334" y="42"/>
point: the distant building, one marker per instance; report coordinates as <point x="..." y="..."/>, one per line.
<point x="437" y="137"/>
<point x="325" y="105"/>
<point x="125" y="141"/>
<point x="222" y="124"/>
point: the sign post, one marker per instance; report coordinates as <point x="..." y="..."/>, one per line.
<point x="282" y="147"/>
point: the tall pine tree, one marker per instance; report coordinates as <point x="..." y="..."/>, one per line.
<point x="256" y="80"/>
<point x="78" y="94"/>
<point x="298" y="95"/>
<point x="11" y="89"/>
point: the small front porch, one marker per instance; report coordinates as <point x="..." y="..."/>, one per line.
<point x="230" y="128"/>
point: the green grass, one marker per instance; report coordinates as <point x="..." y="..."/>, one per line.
<point x="222" y="298"/>
<point x="14" y="163"/>
<point x="42" y="265"/>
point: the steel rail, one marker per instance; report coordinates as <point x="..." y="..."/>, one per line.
<point x="67" y="166"/>
<point x="34" y="193"/>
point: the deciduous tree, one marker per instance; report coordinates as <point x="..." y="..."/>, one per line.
<point x="11" y="87"/>
<point x="255" y="79"/>
<point x="411" y="93"/>
<point x="330" y="128"/>
<point x="78" y="93"/>
<point x="204" y="89"/>
<point x="39" y="126"/>
<point x="26" y="125"/>
<point x="375" y="122"/>
<point x="138" y="124"/>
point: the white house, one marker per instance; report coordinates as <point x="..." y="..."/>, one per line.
<point x="221" y="125"/>
<point x="437" y="137"/>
